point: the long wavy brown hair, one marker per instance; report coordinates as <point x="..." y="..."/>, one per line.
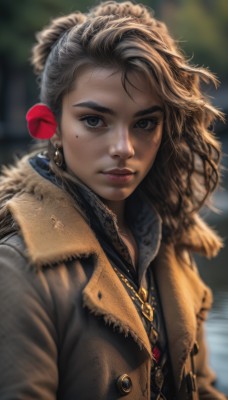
<point x="128" y="37"/>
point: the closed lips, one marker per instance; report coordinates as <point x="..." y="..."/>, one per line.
<point x="119" y="172"/>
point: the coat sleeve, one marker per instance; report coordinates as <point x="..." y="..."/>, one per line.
<point x="28" y="350"/>
<point x="205" y="376"/>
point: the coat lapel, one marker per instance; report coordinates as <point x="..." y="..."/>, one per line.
<point x="66" y="235"/>
<point x="184" y="299"/>
<point x="106" y="296"/>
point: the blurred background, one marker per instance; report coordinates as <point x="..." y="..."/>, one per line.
<point x="201" y="26"/>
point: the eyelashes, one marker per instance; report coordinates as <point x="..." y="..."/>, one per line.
<point x="92" y="121"/>
<point x="148" y="123"/>
<point x="97" y="122"/>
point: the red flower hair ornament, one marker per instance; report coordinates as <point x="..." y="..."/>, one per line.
<point x="41" y="122"/>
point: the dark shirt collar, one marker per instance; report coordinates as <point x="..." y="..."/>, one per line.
<point x="142" y="218"/>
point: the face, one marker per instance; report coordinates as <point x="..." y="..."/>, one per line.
<point x="110" y="138"/>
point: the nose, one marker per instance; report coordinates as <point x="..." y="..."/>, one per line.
<point x="121" y="145"/>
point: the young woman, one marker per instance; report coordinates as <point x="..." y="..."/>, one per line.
<point x="99" y="294"/>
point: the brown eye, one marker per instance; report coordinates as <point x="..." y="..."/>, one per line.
<point x="143" y="124"/>
<point x="147" y="124"/>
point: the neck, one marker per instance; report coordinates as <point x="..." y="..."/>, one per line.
<point x="117" y="207"/>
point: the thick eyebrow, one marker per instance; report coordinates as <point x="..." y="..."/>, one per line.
<point x="149" y="110"/>
<point x="97" y="107"/>
<point x="94" y="106"/>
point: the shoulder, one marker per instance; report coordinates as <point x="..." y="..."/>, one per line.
<point x="19" y="281"/>
<point x="15" y="242"/>
<point x="24" y="285"/>
<point x="12" y="254"/>
<point x="51" y="226"/>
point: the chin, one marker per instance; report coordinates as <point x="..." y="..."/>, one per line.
<point x="120" y="195"/>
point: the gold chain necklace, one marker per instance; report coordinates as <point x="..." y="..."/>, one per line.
<point x="146" y="309"/>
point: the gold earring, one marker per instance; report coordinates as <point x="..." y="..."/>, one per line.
<point x="58" y="157"/>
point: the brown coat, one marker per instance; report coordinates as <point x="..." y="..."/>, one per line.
<point x="68" y="328"/>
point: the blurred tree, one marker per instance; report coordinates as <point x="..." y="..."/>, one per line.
<point x="19" y="20"/>
<point x="202" y="27"/>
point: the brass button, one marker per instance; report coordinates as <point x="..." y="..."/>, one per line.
<point x="124" y="384"/>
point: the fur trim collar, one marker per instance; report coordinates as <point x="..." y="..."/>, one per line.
<point x="27" y="200"/>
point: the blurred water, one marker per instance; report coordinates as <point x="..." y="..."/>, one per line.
<point x="215" y="273"/>
<point x="217" y="338"/>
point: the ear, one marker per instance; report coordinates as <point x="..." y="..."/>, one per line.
<point x="56" y="140"/>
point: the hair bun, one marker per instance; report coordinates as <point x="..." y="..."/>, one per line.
<point x="49" y="35"/>
<point x="124" y="9"/>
